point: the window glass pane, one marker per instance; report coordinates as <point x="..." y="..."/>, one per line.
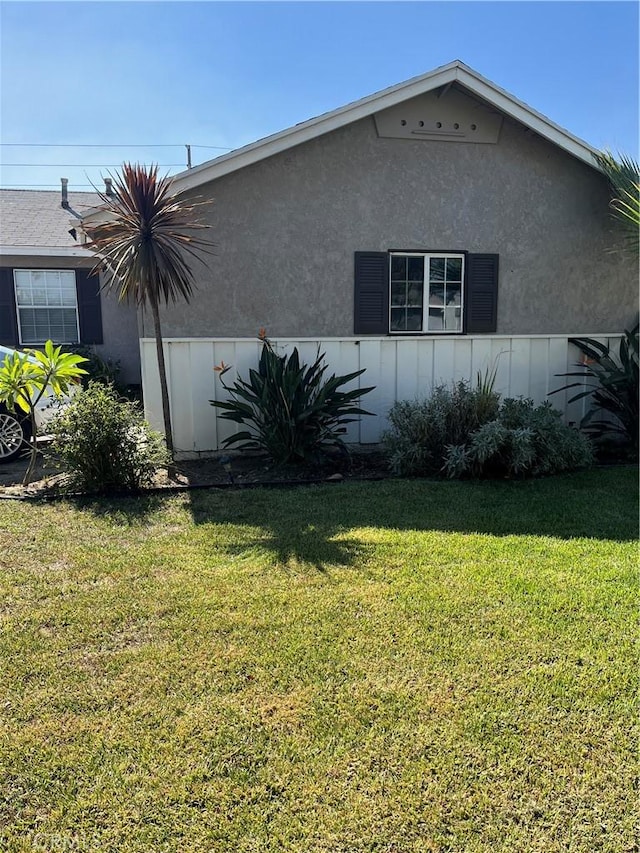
<point x="415" y="269"/>
<point x="435" y="319"/>
<point x="54" y="296"/>
<point x="39" y="324"/>
<point x="23" y="293"/>
<point x="398" y="293"/>
<point x="452" y="318"/>
<point x="22" y="277"/>
<point x="68" y="291"/>
<point x="398" y="319"/>
<point x="414" y="319"/>
<point x="436" y="295"/>
<point x="414" y="294"/>
<point x="453" y="294"/>
<point x="454" y="269"/>
<point x="436" y="269"/>
<point x="39" y="294"/>
<point x="398" y="268"/>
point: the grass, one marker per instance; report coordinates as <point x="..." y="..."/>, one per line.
<point x="389" y="667"/>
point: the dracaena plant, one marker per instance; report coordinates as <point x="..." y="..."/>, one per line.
<point x="293" y="411"/>
<point x="25" y="378"/>
<point x="150" y="236"/>
<point x="611" y="380"/>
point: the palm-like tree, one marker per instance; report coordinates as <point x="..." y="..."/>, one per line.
<point x="624" y="181"/>
<point x="145" y="244"/>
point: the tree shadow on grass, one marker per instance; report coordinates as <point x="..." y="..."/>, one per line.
<point x="123" y="510"/>
<point x="311" y="524"/>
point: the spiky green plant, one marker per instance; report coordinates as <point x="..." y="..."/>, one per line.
<point x="293" y="412"/>
<point x="146" y="242"/>
<point x="614" y="386"/>
<point x="624" y="180"/>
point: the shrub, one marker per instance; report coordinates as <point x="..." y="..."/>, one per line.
<point x="523" y="440"/>
<point x="462" y="431"/>
<point x="421" y="430"/>
<point x="294" y="413"/>
<point x="104" y="444"/>
<point x="96" y="368"/>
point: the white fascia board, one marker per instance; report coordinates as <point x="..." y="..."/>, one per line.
<point x="304" y="132"/>
<point x="524" y="114"/>
<point x="46" y="252"/>
<point x="454" y="72"/>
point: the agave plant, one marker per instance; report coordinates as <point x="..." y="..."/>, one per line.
<point x="614" y="389"/>
<point x="295" y="414"/>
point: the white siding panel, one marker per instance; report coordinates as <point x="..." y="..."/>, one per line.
<point x="151" y="384"/>
<point x="443" y="360"/>
<point x="348" y="361"/>
<point x="377" y="399"/>
<point x="223" y="352"/>
<point x="179" y="378"/>
<point x="406" y="363"/>
<point x="400" y="368"/>
<point x="539" y="370"/>
<point x="482" y="361"/>
<point x="205" y="434"/>
<point x="519" y="368"/>
<point x="501" y="358"/>
<point x="425" y="367"/>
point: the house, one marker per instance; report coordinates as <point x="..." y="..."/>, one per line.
<point x="45" y="287"/>
<point x="431" y="230"/>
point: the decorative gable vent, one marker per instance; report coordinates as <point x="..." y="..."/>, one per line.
<point x="448" y="115"/>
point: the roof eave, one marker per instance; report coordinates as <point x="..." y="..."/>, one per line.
<point x="453" y="72"/>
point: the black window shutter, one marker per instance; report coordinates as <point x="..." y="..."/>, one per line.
<point x="371" y="293"/>
<point x="481" y="302"/>
<point x="8" y="319"/>
<point x="89" y="308"/>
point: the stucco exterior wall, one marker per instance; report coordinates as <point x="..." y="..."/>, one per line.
<point x="119" y="320"/>
<point x="287" y="228"/>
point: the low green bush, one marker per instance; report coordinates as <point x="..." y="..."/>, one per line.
<point x="104" y="444"/>
<point x="461" y="431"/>
<point x="293" y="412"/>
<point x="523" y="440"/>
<point x="421" y="430"/>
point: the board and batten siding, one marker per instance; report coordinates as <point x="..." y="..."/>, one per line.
<point x="399" y="368"/>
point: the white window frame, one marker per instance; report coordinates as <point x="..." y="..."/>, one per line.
<point x="45" y="307"/>
<point x="426" y="256"/>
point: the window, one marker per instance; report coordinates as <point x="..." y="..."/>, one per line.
<point x="47" y="306"/>
<point x="426" y="292"/>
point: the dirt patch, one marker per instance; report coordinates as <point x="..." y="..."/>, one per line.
<point x="222" y="471"/>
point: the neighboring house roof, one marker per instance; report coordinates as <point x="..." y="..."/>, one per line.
<point x="456" y="73"/>
<point x="33" y="222"/>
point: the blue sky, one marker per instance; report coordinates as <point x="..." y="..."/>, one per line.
<point x="224" y="74"/>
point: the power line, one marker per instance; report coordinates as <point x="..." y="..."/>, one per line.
<point x="97" y="145"/>
<point x="85" y="165"/>
<point x="42" y="186"/>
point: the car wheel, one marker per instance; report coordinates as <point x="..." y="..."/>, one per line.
<point x="14" y="432"/>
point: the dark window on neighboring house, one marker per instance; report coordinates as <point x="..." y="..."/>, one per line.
<point x="407" y="292"/>
<point x="41" y="304"/>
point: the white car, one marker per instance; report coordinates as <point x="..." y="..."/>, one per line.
<point x="15" y="427"/>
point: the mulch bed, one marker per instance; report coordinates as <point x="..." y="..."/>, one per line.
<point x="243" y="471"/>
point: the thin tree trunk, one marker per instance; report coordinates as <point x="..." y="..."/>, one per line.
<point x="28" y="474"/>
<point x="164" y="391"/>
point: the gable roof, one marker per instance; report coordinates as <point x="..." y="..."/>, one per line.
<point x="454" y="73"/>
<point x="33" y="222"/>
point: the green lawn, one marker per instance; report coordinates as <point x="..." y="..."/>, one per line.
<point x="389" y="667"/>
